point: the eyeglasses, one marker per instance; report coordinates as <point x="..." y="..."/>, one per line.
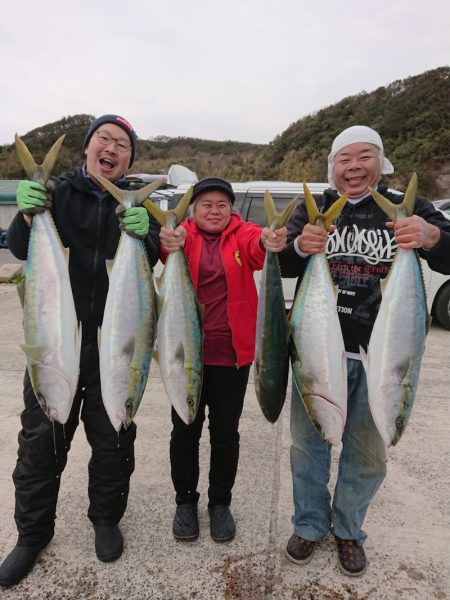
<point x="105" y="138"/>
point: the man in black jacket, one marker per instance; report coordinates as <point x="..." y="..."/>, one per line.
<point x="86" y="220"/>
<point x="360" y="248"/>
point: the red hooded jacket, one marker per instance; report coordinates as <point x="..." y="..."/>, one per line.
<point x="241" y="255"/>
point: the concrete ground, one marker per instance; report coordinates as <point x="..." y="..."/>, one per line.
<point x="7" y="258"/>
<point x="407" y="523"/>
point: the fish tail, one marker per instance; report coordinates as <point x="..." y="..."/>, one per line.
<point x="137" y="196"/>
<point x="311" y="206"/>
<point x="175" y="216"/>
<point x="50" y="159"/>
<point x="269" y="208"/>
<point x="116" y="192"/>
<point x="35" y="172"/>
<point x="335" y="210"/>
<point x="274" y="219"/>
<point x="405" y="208"/>
<point x="182" y="206"/>
<point x="315" y="216"/>
<point x="25" y="157"/>
<point x="157" y="213"/>
<point x="147" y="190"/>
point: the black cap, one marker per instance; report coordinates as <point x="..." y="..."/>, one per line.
<point x="120" y="122"/>
<point x="208" y="184"/>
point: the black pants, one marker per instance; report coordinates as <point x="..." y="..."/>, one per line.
<point x="42" y="456"/>
<point x="223" y="391"/>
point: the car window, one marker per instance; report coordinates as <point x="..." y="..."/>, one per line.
<point x="253" y="208"/>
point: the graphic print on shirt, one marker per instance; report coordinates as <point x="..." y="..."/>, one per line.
<point x="360" y="252"/>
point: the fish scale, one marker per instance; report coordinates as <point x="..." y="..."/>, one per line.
<point x="179" y="336"/>
<point x="397" y="342"/>
<point x="52" y="335"/>
<point x="272" y="326"/>
<point x="318" y="359"/>
<point x="179" y="330"/>
<point x="128" y="332"/>
<point x="127" y="335"/>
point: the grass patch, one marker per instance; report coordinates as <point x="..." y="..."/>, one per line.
<point x="18" y="279"/>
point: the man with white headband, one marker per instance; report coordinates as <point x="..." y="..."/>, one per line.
<point x="355" y="135"/>
<point x="360" y="248"/>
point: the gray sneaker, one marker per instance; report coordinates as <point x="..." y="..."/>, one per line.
<point x="185" y="523"/>
<point x="222" y="525"/>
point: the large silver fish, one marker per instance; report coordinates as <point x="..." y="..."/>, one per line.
<point x="128" y="331"/>
<point x="397" y="341"/>
<point x="51" y="331"/>
<point x="272" y="326"/>
<point x="319" y="364"/>
<point x="179" y="331"/>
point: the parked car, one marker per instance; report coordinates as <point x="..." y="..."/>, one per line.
<point x="443" y="205"/>
<point x="177" y="175"/>
<point x="250" y="204"/>
<point x="3" y="238"/>
<point x="439" y="285"/>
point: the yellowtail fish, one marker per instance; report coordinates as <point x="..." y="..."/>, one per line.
<point x="128" y="332"/>
<point x="51" y="331"/>
<point x="179" y="331"/>
<point x="319" y="364"/>
<point x="272" y="326"/>
<point x="397" y="341"/>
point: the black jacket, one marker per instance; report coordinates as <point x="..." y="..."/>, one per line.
<point x="88" y="226"/>
<point x="360" y="253"/>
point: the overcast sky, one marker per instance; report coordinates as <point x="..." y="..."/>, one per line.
<point x="222" y="70"/>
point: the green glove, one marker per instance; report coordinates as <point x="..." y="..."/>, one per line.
<point x="134" y="221"/>
<point x="32" y="198"/>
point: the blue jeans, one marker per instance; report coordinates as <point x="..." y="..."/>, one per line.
<point x="362" y="467"/>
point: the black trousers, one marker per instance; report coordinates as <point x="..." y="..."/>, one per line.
<point x="42" y="456"/>
<point x="223" y="391"/>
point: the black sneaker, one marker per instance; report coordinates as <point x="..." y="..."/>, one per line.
<point x="185" y="523"/>
<point x="222" y="525"/>
<point x="19" y="563"/>
<point x="352" y="558"/>
<point x="299" y="550"/>
<point x="108" y="542"/>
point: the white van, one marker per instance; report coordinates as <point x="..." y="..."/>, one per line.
<point x="250" y="204"/>
<point x="177" y="175"/>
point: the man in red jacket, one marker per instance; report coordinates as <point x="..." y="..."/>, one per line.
<point x="223" y="251"/>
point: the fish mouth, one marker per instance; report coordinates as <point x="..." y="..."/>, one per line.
<point x="50" y="411"/>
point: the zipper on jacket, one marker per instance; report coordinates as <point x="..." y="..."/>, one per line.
<point x="94" y="266"/>
<point x="226" y="281"/>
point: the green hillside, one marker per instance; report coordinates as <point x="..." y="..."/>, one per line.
<point x="411" y="115"/>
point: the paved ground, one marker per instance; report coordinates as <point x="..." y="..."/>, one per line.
<point x="6" y="257"/>
<point x="408" y="544"/>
